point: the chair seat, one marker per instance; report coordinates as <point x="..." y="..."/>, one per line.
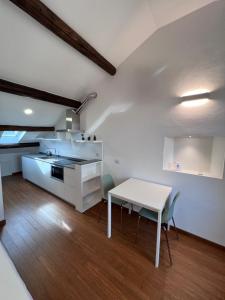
<point x="150" y="215"/>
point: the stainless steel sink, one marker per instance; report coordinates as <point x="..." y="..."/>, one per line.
<point x="61" y="160"/>
<point x="49" y="158"/>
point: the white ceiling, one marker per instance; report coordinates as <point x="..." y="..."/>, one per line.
<point x="33" y="56"/>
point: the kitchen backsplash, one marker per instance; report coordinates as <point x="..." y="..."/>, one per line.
<point x="68" y="147"/>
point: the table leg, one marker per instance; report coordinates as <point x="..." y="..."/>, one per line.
<point x="109" y="216"/>
<point x="158" y="240"/>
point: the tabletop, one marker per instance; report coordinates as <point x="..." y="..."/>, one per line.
<point x="146" y="194"/>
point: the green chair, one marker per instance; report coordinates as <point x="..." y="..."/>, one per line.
<point x="108" y="184"/>
<point x="167" y="216"/>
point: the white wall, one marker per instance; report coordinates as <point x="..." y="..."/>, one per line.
<point x="10" y="159"/>
<point x="193" y="153"/>
<point x="168" y="154"/>
<point x="139" y="107"/>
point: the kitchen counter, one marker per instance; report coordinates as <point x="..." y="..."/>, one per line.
<point x="54" y="159"/>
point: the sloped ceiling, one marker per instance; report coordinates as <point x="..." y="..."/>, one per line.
<point x="142" y="104"/>
<point x="33" y="56"/>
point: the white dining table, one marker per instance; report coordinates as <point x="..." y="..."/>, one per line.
<point x="145" y="194"/>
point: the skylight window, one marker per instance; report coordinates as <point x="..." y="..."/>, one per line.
<point x="11" y="137"/>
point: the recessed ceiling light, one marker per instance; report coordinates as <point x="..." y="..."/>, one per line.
<point x="28" y="111"/>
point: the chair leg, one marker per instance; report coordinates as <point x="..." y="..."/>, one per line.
<point x="175" y="228"/>
<point x="121" y="217"/>
<point x="132" y="207"/>
<point x="138" y="225"/>
<point x="168" y="245"/>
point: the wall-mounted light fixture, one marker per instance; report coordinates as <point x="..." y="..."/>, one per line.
<point x="195" y="100"/>
<point x="28" y="111"/>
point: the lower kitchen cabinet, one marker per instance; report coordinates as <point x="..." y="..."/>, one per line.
<point x="81" y="186"/>
<point x="36" y="171"/>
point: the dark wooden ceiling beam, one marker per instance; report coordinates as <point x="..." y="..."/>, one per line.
<point x="41" y="13"/>
<point x="25" y="128"/>
<point x="22" y="90"/>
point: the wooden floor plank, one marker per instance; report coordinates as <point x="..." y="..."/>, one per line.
<point x="62" y="254"/>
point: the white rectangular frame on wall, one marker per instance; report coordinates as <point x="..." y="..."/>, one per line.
<point x="200" y="156"/>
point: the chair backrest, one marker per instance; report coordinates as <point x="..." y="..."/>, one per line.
<point x="168" y="212"/>
<point x="108" y="184"/>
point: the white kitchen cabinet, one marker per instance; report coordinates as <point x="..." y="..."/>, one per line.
<point x="55" y="186"/>
<point x="72" y="181"/>
<point x="36" y="171"/>
<point x="10" y="159"/>
<point x="81" y="186"/>
<point x="72" y="177"/>
<point x="72" y="196"/>
<point x="39" y="172"/>
<point x="91" y="186"/>
<point x="91" y="199"/>
<point x="91" y="171"/>
<point x="6" y="166"/>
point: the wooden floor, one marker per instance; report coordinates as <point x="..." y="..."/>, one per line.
<point x="64" y="255"/>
